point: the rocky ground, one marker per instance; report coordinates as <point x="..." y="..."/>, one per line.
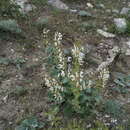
<point x="98" y="25"/>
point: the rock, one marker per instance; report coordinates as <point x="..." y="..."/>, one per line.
<point x="25" y="7"/>
<point x="10" y="25"/>
<point x="121" y="24"/>
<point x="89" y="5"/>
<point x="84" y="13"/>
<point x="128" y="4"/>
<point x="127" y="52"/>
<point x="128" y="49"/>
<point x="2" y="124"/>
<point x="73" y="10"/>
<point x="108" y="11"/>
<point x="125" y="11"/>
<point x="28" y="8"/>
<point x="128" y="43"/>
<point x="115" y="11"/>
<point x="100" y="6"/>
<point x="105" y="34"/>
<point x="58" y="4"/>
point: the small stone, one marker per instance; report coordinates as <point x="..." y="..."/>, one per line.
<point x="125" y="11"/>
<point x="100" y="6"/>
<point x="127" y="49"/>
<point x="128" y="4"/>
<point x="105" y="34"/>
<point x="127" y="52"/>
<point x="108" y="11"/>
<point x="28" y="8"/>
<point x="115" y="11"/>
<point x="73" y="10"/>
<point x="25" y="7"/>
<point x="128" y="43"/>
<point x="58" y="4"/>
<point x="5" y="99"/>
<point x="89" y="5"/>
<point x="121" y="24"/>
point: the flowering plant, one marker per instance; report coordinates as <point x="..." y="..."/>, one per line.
<point x="69" y="86"/>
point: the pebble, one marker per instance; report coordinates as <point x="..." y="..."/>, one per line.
<point x="125" y="11"/>
<point x="89" y="5"/>
<point x="105" y="34"/>
<point x="120" y="24"/>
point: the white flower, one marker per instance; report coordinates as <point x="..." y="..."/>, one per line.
<point x="55" y="43"/>
<point x="75" y="51"/>
<point x="72" y="77"/>
<point x="78" y="53"/>
<point x="90" y="83"/>
<point x="58" y="37"/>
<point x="45" y="31"/>
<point x="60" y="66"/>
<point x="81" y="74"/>
<point x="51" y="88"/>
<point x="69" y="59"/>
<point x="62" y="73"/>
<point x="104" y="75"/>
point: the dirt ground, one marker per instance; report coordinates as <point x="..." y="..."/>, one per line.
<point x="22" y="90"/>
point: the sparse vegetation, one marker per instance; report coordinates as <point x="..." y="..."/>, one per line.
<point x="56" y="66"/>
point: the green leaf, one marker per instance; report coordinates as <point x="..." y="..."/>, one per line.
<point x="10" y="25"/>
<point x="65" y="80"/>
<point x="21" y="127"/>
<point x="41" y="125"/>
<point x="4" y="61"/>
<point x="119" y="82"/>
<point x="20" y="91"/>
<point x="84" y="13"/>
<point x="42" y="22"/>
<point x="98" y="99"/>
<point x="113" y="108"/>
<point x="32" y="122"/>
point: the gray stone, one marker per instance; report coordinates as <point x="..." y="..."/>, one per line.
<point x="128" y="48"/>
<point x="100" y="6"/>
<point x="25" y="7"/>
<point x="115" y="11"/>
<point x="105" y="34"/>
<point x="73" y="10"/>
<point x="58" y="4"/>
<point x="128" y="43"/>
<point x="108" y="10"/>
<point x="125" y="11"/>
<point x="90" y="5"/>
<point x="121" y="24"/>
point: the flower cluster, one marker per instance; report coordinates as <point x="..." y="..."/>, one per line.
<point x="78" y="52"/>
<point x="45" y="34"/>
<point x="59" y="54"/>
<point x="104" y="76"/>
<point x="54" y="87"/>
<point x="74" y="72"/>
